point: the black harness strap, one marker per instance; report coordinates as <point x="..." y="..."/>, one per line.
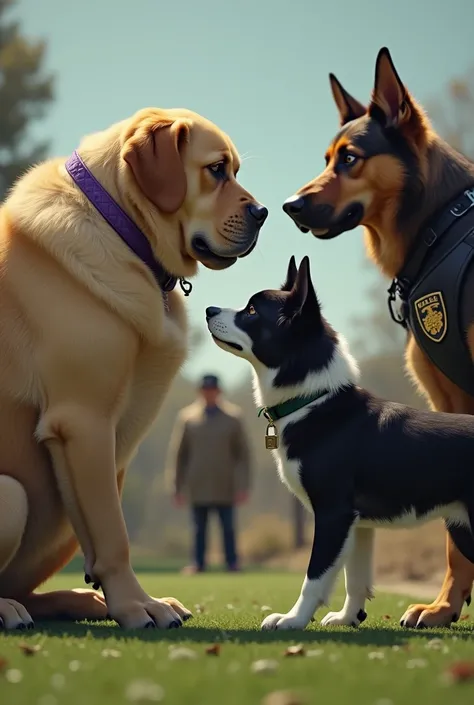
<point x="426" y="295"/>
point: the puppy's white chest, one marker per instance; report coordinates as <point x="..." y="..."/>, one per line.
<point x="289" y="472"/>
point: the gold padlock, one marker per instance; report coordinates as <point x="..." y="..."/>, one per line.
<point x="271" y="439"/>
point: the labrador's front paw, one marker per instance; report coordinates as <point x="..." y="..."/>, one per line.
<point x="167" y="613"/>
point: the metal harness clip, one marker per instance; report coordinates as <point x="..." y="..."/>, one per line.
<point x="460" y="208"/>
<point x="396" y="303"/>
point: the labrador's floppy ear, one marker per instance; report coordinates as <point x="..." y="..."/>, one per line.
<point x="349" y="108"/>
<point x="153" y="155"/>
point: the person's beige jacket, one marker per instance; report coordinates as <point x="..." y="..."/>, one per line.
<point x="209" y="457"/>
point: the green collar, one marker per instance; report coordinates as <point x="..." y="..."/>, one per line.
<point x="279" y="411"/>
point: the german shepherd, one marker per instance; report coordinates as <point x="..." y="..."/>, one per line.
<point x="388" y="170"/>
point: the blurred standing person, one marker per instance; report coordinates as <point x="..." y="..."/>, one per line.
<point x="209" y="462"/>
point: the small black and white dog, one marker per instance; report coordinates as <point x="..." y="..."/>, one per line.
<point x="356" y="461"/>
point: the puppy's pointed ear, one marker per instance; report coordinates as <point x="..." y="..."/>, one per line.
<point x="390" y="102"/>
<point x="348" y="107"/>
<point x="303" y="299"/>
<point x="153" y="155"/>
<point x="290" y="275"/>
<point x="311" y="303"/>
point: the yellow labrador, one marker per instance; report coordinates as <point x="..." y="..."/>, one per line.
<point x="89" y="345"/>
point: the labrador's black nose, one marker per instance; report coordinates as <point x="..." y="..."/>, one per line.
<point x="258" y="212"/>
<point x="212" y="311"/>
<point x="293" y="205"/>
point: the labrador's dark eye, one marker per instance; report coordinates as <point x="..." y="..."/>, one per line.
<point x="217" y="170"/>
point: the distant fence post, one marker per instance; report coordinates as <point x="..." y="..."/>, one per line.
<point x="299" y="522"/>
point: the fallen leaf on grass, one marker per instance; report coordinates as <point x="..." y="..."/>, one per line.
<point x="417" y="663"/>
<point x="464" y="617"/>
<point x="282" y="697"/>
<point x="182" y="653"/>
<point x="297" y="650"/>
<point x="111" y="653"/>
<point x="13" y="675"/>
<point x="460" y="672"/>
<point x="213" y="650"/>
<point x="264" y="665"/>
<point x="29" y="649"/>
<point x="387" y="616"/>
<point x="376" y="655"/>
<point x="144" y="690"/>
<point x="3" y="664"/>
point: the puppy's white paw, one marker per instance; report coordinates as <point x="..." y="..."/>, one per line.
<point x="283" y="621"/>
<point x="344" y="618"/>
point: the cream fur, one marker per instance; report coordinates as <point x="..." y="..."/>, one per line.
<point x="87" y="354"/>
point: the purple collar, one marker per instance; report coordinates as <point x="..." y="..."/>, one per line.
<point x="121" y="223"/>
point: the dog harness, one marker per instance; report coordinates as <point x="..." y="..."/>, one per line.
<point x="426" y="296"/>
<point x="123" y="225"/>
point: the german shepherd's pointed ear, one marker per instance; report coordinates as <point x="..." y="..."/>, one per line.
<point x="303" y="297"/>
<point x="390" y="102"/>
<point x="349" y="108"/>
<point x="290" y="275"/>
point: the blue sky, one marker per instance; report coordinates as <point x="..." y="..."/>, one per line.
<point x="259" y="69"/>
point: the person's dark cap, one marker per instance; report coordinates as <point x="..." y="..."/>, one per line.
<point x="210" y="382"/>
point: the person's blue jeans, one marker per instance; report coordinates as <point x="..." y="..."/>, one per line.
<point x="226" y="518"/>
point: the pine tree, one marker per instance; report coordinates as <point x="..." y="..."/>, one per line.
<point x="25" y="93"/>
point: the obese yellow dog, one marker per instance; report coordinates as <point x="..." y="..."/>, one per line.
<point x="93" y="332"/>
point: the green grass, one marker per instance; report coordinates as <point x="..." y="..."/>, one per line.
<point x="71" y="667"/>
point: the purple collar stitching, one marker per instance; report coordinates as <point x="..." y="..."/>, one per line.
<point x="118" y="220"/>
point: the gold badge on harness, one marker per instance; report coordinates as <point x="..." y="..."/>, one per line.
<point x="431" y="314"/>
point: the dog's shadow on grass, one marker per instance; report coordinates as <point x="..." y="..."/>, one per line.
<point x="362" y="636"/>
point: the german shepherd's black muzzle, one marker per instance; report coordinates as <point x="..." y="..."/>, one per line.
<point x="320" y="217"/>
